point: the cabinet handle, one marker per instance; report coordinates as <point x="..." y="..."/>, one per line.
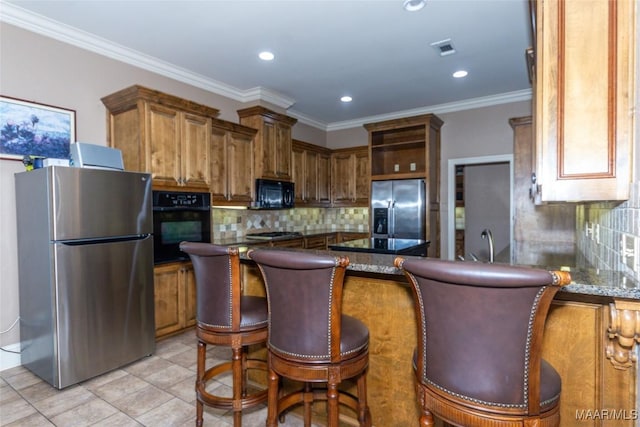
<point x="534" y="189"/>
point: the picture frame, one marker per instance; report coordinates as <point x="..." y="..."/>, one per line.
<point x="33" y="129"/>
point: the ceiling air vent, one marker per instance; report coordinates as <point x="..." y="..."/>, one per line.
<point x="444" y="47"/>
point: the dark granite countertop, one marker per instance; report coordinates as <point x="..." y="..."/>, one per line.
<point x="585" y="280"/>
<point x="384" y="246"/>
<point x="234" y="241"/>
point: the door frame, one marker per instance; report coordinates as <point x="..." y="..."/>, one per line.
<point x="451" y="194"/>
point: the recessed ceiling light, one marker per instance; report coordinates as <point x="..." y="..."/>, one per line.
<point x="460" y="74"/>
<point x="266" y="56"/>
<point x="413" y="5"/>
<point x="346" y="98"/>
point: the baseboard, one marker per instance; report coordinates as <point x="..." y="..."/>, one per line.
<point x="10" y="360"/>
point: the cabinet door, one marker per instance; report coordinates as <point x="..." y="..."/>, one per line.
<point x="188" y="280"/>
<point x="240" y="174"/>
<point x="343" y="173"/>
<point x="298" y="172"/>
<point x="311" y="176"/>
<point x="196" y="149"/>
<point x="276" y="150"/>
<point x="168" y="298"/>
<point x="163" y="136"/>
<point x="346" y="236"/>
<point x="362" y="184"/>
<point x="576" y="345"/>
<point x="584" y="99"/>
<point x="219" y="185"/>
<point x="289" y="243"/>
<point x="324" y="179"/>
<point x="269" y="150"/>
<point x="283" y="152"/>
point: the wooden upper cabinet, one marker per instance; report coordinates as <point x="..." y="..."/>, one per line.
<point x="196" y="147"/>
<point x="584" y="88"/>
<point x="405" y="148"/>
<point x="232" y="180"/>
<point x="311" y="168"/>
<point x="161" y="134"/>
<point x="272" y="158"/>
<point x="350" y="176"/>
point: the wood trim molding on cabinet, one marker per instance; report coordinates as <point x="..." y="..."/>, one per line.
<point x="623" y="333"/>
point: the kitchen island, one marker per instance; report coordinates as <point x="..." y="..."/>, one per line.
<point x="586" y="339"/>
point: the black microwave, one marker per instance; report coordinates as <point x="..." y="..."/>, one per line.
<point x="271" y="194"/>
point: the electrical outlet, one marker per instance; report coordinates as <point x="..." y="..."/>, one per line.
<point x="588" y="230"/>
<point x="629" y="251"/>
<point x="412" y="167"/>
<point x="396" y="168"/>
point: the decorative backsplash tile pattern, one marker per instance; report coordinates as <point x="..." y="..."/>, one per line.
<point x="236" y="223"/>
<point x="608" y="234"/>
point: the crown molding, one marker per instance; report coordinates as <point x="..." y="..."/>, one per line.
<point x="467" y="104"/>
<point x="15" y="15"/>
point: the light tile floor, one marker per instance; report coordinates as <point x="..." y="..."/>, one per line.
<point x="156" y="391"/>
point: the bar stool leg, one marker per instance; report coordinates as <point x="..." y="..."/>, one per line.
<point x="332" y="403"/>
<point x="308" y="401"/>
<point x="272" y="400"/>
<point x="238" y="385"/>
<point x="202" y="352"/>
<point x="364" y="416"/>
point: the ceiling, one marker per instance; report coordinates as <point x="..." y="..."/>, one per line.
<point x="372" y="50"/>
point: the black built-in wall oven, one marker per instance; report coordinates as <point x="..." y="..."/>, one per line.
<point x="179" y="216"/>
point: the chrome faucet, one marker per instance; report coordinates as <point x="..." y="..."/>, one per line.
<point x="486" y="234"/>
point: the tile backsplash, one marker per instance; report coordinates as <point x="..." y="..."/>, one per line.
<point x="233" y="223"/>
<point x="608" y="234"/>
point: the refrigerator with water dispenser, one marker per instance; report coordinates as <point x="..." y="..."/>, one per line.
<point x="398" y="209"/>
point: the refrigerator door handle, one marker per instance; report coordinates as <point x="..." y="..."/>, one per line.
<point x="392" y="218"/>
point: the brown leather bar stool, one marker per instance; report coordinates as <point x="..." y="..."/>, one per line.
<point x="310" y="340"/>
<point x="225" y="317"/>
<point x="480" y="327"/>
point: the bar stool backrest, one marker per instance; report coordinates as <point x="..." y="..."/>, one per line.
<point x="304" y="292"/>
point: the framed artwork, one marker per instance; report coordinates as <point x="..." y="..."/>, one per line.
<point x="32" y="129"/>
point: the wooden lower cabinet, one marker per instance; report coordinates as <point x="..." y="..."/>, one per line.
<point x="175" y="297"/>
<point x="288" y="243"/>
<point x="594" y="391"/>
<point x="316" y="242"/>
<point x="345" y="236"/>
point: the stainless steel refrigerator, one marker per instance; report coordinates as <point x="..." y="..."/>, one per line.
<point x="85" y="254"/>
<point x="398" y="209"/>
